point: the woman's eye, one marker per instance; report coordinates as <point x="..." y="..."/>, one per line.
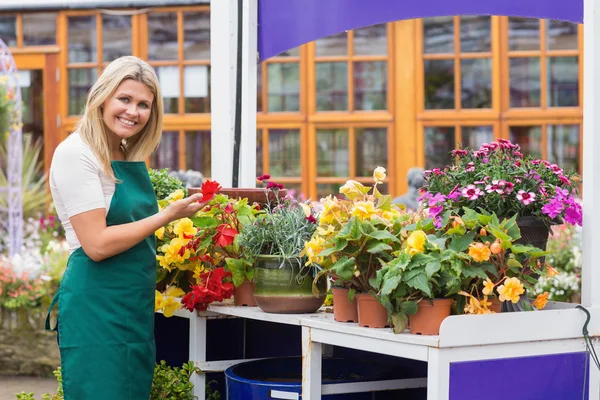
<point x="124" y="99"/>
<point x="144" y="105"/>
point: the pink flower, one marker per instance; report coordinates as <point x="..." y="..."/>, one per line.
<point x="470" y="167"/>
<point x="555" y="168"/>
<point x="526" y="197"/>
<point x="496" y="186"/>
<point x="509" y="187"/>
<point x="472" y="192"/>
<point x="564" y="180"/>
<point x="459" y="153"/>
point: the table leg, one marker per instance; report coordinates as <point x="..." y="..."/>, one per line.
<point x="198" y="353"/>
<point x="438" y="375"/>
<point x="311" y="366"/>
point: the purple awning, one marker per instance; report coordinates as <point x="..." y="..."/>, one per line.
<point x="285" y="24"/>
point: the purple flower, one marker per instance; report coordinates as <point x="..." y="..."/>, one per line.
<point x="485" y="160"/>
<point x="454" y="196"/>
<point x="526" y="197"/>
<point x="553" y="208"/>
<point x="437" y="199"/>
<point x="472" y="192"/>
<point x="435" y="211"/>
<point x="425" y="196"/>
<point x="437" y="222"/>
<point x="573" y="211"/>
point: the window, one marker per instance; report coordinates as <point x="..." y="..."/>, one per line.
<point x="278" y="153"/>
<point x="28" y="29"/>
<point x="281" y="93"/>
<point x="441" y="140"/>
<point x="351" y="70"/>
<point x="179" y="50"/>
<point x="184" y="150"/>
<point x="86" y="57"/>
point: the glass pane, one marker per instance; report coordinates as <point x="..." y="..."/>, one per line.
<point x="80" y="82"/>
<point x="260" y="148"/>
<point x="197" y="152"/>
<point x="283" y="88"/>
<point x="475" y="34"/>
<point x="439" y="84"/>
<point x="371" y="40"/>
<point x="334" y="45"/>
<point x="326" y="189"/>
<point x="259" y="84"/>
<point x="438" y="35"/>
<point x="371" y="149"/>
<point x="523" y="33"/>
<point x="529" y="138"/>
<point x="476" y="81"/>
<point x="196" y="88"/>
<point x="524" y="82"/>
<point x="284" y="152"/>
<point x="116" y="36"/>
<point x="162" y="36"/>
<point x="561" y="35"/>
<point x="196" y="36"/>
<point x="82" y="39"/>
<point x="169" y="86"/>
<point x="8" y="30"/>
<point x="474" y="136"/>
<point x="370" y="85"/>
<point x="439" y="143"/>
<point x="295" y="52"/>
<point x="333" y="156"/>
<point x="32" y="95"/>
<point x="563" y="82"/>
<point x="563" y="146"/>
<point x="332" y="86"/>
<point x="39" y="29"/>
<point x="167" y="154"/>
<point x="294" y="189"/>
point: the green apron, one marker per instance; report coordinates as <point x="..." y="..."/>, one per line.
<point x="106" y="309"/>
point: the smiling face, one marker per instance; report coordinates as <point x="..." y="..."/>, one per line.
<point x="127" y="110"/>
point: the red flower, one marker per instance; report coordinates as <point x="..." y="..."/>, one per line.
<point x="225" y="235"/>
<point x="273" y="185"/>
<point x="209" y="189"/>
<point x="229" y="208"/>
<point x="212" y="288"/>
<point x="312" y="219"/>
<point x="263" y="177"/>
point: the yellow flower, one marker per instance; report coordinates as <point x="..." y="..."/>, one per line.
<point x="174" y="291"/>
<point x="363" y="210"/>
<point x="475" y="306"/>
<point x="171" y="256"/>
<point x="160" y="233"/>
<point x="479" y="252"/>
<point x="511" y="290"/>
<point x="332" y="210"/>
<point x="184" y="227"/>
<point x="312" y="248"/>
<point x="541" y="301"/>
<point x="353" y="189"/>
<point x="176" y="195"/>
<point x="307" y="210"/>
<point x="169" y="306"/>
<point x="197" y="271"/>
<point x="416" y="242"/>
<point x="326" y="232"/>
<point x="488" y="287"/>
<point x="551" y="271"/>
<point x="379" y="175"/>
<point x="158" y="299"/>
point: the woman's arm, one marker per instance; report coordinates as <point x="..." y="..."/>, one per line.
<point x="100" y="241"/>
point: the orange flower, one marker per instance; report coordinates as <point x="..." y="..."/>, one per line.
<point x="488" y="287"/>
<point x="475" y="306"/>
<point x="551" y="271"/>
<point x="511" y="290"/>
<point x="479" y="252"/>
<point x="541" y="301"/>
<point x="457" y="221"/>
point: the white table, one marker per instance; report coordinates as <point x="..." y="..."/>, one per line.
<point x="464" y="338"/>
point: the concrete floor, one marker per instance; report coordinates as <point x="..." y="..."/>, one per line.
<point x="9" y="385"/>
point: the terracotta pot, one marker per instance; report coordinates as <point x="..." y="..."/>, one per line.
<point x="280" y="288"/>
<point x="243" y="295"/>
<point x="254" y="195"/>
<point x="429" y="316"/>
<point x="371" y="313"/>
<point x="496" y="305"/>
<point x="343" y="309"/>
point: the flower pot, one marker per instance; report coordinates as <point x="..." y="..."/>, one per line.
<point x="496" y="305"/>
<point x="284" y="286"/>
<point x="371" y="314"/>
<point x="254" y="195"/>
<point x="243" y="295"/>
<point x="343" y="309"/>
<point x="429" y="316"/>
<point x="533" y="232"/>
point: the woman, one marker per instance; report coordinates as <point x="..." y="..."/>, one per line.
<point x="106" y="202"/>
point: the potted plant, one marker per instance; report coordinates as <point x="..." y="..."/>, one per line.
<point x="274" y="243"/>
<point x="467" y="260"/>
<point x="355" y="236"/>
<point x="498" y="178"/>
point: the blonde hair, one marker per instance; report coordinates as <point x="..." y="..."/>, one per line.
<point x="91" y="126"/>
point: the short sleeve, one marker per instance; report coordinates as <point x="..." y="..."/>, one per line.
<point x="75" y="176"/>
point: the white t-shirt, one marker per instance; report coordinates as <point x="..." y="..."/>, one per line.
<point x="78" y="183"/>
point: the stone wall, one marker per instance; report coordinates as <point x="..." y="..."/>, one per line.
<point x="25" y="347"/>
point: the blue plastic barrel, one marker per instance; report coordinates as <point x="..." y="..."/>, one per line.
<point x="281" y="378"/>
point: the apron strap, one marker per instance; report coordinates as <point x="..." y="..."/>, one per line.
<point x="54" y="303"/>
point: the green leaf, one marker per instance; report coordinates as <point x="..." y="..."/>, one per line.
<point x="459" y="230"/>
<point x="375" y="247"/>
<point x="351" y="231"/>
<point x="461" y="243"/>
<point x="494" y="230"/>
<point x="490" y="268"/>
<point x="512" y="263"/>
<point x="238" y="269"/>
<point x="401" y="262"/>
<point x="432" y="267"/>
<point x="384" y="202"/>
<point x="344" y="268"/>
<point x="520" y="248"/>
<point x="527" y="306"/>
<point x="420" y="282"/>
<point x="203" y="222"/>
<point x="378" y="278"/>
<point x="390" y="283"/>
<point x="340" y="244"/>
<point x="327" y="252"/>
<point x="351" y="294"/>
<point x="399" y="322"/>
<point x="473" y="272"/>
<point x="410" y="307"/>
<point x="383" y="235"/>
<point x="530" y="279"/>
<point x="470" y="217"/>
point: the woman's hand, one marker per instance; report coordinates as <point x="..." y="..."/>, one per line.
<point x="184" y="208"/>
